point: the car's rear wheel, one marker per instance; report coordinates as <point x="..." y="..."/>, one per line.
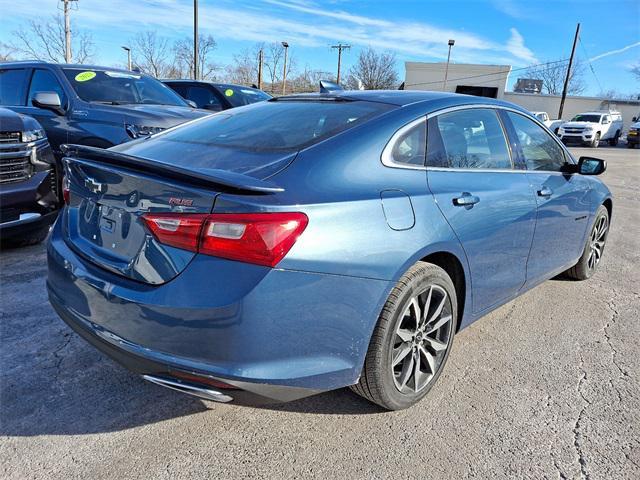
<point x="614" y="141"/>
<point x="412" y="340"/>
<point x="594" y="247"/>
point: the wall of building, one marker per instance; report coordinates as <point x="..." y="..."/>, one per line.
<point x="430" y="76"/>
<point x="573" y="105"/>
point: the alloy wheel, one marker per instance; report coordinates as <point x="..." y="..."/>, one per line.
<point x="421" y="339"/>
<point x="596" y="241"/>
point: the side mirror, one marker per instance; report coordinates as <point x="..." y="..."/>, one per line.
<point x="191" y="103"/>
<point x="214" y="107"/>
<point x="48" y="101"/>
<point x="591" y="166"/>
<point x="634" y="119"/>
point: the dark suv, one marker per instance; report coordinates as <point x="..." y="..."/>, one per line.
<point x="28" y="196"/>
<point x="90" y="105"/>
<point x="216" y="96"/>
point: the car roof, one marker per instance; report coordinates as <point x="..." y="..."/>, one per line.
<point x="75" y="66"/>
<point x="215" y="84"/>
<point x="402" y="97"/>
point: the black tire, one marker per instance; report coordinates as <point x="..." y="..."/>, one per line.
<point x="630" y="145"/>
<point x="31" y="238"/>
<point x="614" y="141"/>
<point x="585" y="267"/>
<point x="379" y="382"/>
<point x="596" y="140"/>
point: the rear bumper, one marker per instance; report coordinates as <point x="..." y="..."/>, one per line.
<point x="633" y="139"/>
<point x="275" y="333"/>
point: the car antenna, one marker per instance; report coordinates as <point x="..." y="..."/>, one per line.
<point x="327" y="87"/>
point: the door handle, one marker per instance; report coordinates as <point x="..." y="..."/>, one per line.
<point x="545" y="192"/>
<point x="466" y="200"/>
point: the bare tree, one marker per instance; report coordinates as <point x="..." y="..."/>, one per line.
<point x="244" y="69"/>
<point x="309" y="80"/>
<point x="553" y="73"/>
<point x="6" y="52"/>
<point x="274" y="64"/>
<point x="152" y="54"/>
<point x="183" y="53"/>
<point x="373" y="71"/>
<point x="45" y="41"/>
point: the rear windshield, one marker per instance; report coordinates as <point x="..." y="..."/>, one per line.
<point x="239" y="96"/>
<point x="277" y="125"/>
<point x="119" y="88"/>
<point x="586" y="118"/>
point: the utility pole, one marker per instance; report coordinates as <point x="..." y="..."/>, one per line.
<point x="284" y="71"/>
<point x="568" y="77"/>
<point x="67" y="30"/>
<point x="260" y="61"/>
<point x="195" y="39"/>
<point x="446" y="70"/>
<point x="339" y="47"/>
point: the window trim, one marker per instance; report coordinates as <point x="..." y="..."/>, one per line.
<point x="387" y="152"/>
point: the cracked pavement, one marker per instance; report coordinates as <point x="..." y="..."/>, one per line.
<point x="545" y="387"/>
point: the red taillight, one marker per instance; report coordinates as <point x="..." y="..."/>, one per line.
<point x="260" y="238"/>
<point x="66" y="194"/>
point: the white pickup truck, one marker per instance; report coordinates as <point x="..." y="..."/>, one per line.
<point x="590" y="128"/>
<point x="552" y="125"/>
<point x="633" y="135"/>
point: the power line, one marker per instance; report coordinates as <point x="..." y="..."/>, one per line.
<point x="503" y="72"/>
<point x="584" y="49"/>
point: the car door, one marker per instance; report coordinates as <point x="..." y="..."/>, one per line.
<point x="486" y="201"/>
<point x="55" y="124"/>
<point x="562" y="199"/>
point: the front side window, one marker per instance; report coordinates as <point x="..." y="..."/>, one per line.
<point x="11" y="86"/>
<point x="204" y="98"/>
<point x="239" y="96"/>
<point x="539" y="149"/>
<point x="45" y="81"/>
<point x="120" y="88"/>
<point x="470" y="138"/>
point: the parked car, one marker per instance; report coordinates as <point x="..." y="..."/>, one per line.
<point x="28" y="198"/>
<point x="552" y="125"/>
<point x="311" y="242"/>
<point x="633" y="135"/>
<point x="216" y="96"/>
<point x="591" y="128"/>
<point x="91" y="105"/>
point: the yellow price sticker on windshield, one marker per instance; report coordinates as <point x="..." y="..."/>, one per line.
<point x="228" y="92"/>
<point x="85" y="76"/>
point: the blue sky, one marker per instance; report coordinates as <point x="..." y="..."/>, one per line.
<point x="507" y="32"/>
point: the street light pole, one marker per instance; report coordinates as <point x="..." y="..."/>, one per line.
<point x="446" y="70"/>
<point x="284" y="72"/>
<point x="195" y="39"/>
<point x="260" y="61"/>
<point x="128" y="50"/>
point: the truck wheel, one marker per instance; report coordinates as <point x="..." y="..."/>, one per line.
<point x="629" y="145"/>
<point x="412" y="340"/>
<point x="596" y="140"/>
<point x="614" y="141"/>
<point x="31" y="238"/>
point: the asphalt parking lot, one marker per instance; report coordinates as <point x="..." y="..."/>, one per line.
<point x="547" y="386"/>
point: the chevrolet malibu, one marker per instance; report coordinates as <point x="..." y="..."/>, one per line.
<point x="313" y="242"/>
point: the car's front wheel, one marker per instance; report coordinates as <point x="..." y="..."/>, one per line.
<point x="412" y="340"/>
<point x="594" y="247"/>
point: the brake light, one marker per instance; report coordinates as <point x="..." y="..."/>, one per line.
<point x="66" y="193"/>
<point x="259" y="238"/>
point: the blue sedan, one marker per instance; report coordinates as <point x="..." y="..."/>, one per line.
<point x="313" y="242"/>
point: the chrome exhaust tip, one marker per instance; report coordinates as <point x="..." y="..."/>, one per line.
<point x="201" y="392"/>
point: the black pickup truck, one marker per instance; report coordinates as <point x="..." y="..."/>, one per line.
<point x="29" y="199"/>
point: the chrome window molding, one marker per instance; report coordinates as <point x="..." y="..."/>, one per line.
<point x="387" y="152"/>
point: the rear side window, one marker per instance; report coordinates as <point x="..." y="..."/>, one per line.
<point x="11" y="86"/>
<point x="45" y="81"/>
<point x="278" y="125"/>
<point x="470" y="138"/>
<point x="239" y="96"/>
<point x="539" y="150"/>
<point x="204" y="98"/>
<point x="408" y="145"/>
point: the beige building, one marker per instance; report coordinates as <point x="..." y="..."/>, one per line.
<point x="491" y="81"/>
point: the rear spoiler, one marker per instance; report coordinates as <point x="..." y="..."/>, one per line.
<point x="213" y="178"/>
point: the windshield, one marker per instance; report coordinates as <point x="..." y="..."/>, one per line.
<point x="586" y="118"/>
<point x="277" y="125"/>
<point x="117" y="88"/>
<point x="239" y="96"/>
